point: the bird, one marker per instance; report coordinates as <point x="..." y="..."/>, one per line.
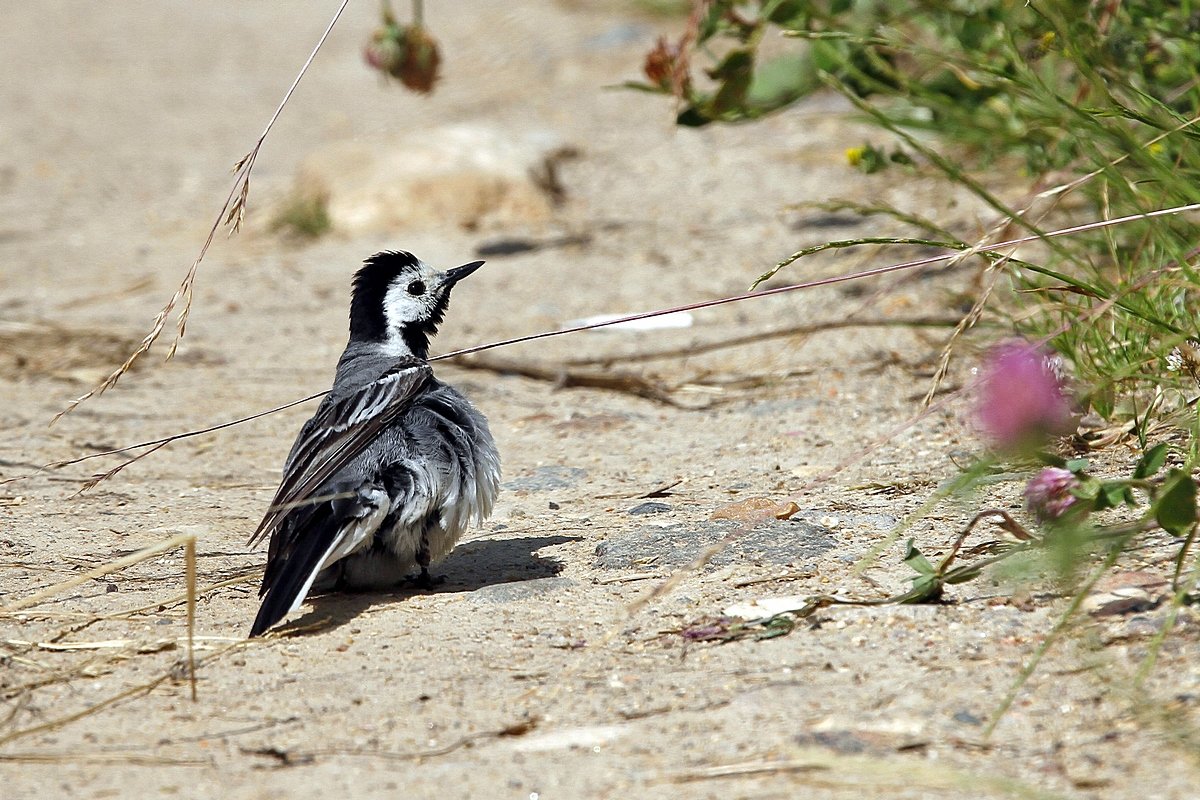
<point x="395" y="464"/>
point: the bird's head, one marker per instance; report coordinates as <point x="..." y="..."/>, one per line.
<point x="399" y="301"/>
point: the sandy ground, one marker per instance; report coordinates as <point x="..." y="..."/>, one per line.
<point x="538" y="669"/>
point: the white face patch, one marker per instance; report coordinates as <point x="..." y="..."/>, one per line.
<point x="410" y="298"/>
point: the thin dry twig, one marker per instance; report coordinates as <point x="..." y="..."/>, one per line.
<point x="232" y="213"/>
<point x="747" y="768"/>
<point x="673" y="580"/>
<point x="561" y="377"/>
<point x="750" y="338"/>
<point x="190" y="558"/>
<point x="152" y="445"/>
<point x="519" y="728"/>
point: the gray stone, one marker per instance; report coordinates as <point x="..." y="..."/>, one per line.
<point x="546" y="479"/>
<point x="967" y="718"/>
<point x="519" y="590"/>
<point x="649" y="508"/>
<point x="769" y="541"/>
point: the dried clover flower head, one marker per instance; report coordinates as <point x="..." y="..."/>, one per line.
<point x="1185" y="357"/>
<point x="666" y="66"/>
<point x="407" y="53"/>
<point x="1048" y="494"/>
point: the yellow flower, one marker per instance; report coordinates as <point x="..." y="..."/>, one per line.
<point x="854" y="155"/>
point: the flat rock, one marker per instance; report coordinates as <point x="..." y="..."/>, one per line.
<point x="768" y="542"/>
<point x="649" y="508"/>
<point x="519" y="590"/>
<point x="468" y="175"/>
<point x="547" y="478"/>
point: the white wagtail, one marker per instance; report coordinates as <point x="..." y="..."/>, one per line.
<point x="394" y="465"/>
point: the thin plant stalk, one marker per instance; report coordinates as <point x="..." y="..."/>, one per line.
<point x="232" y="213"/>
<point x="959" y="252"/>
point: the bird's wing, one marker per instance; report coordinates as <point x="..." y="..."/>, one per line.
<point x="316" y="517"/>
<point x="336" y="435"/>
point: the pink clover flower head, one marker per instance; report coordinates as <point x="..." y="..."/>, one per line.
<point x="1022" y="397"/>
<point x="1048" y="494"/>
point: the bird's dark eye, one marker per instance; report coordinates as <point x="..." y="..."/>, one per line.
<point x="416" y="288"/>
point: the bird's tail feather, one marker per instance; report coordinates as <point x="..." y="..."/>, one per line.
<point x="288" y="579"/>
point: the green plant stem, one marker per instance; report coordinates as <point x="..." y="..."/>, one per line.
<point x="945" y="165"/>
<point x="1052" y="637"/>
<point x="961" y="483"/>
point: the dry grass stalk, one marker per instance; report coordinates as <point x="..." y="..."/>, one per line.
<point x="232" y="214"/>
<point x="126" y="694"/>
<point x="562" y="378"/>
<point x="990" y="274"/>
<point x="748" y="768"/>
<point x="185" y="540"/>
<point x="190" y="554"/>
<point x="73" y="757"/>
<point x="678" y="575"/>
<point x="863" y="774"/>
<point x="144" y="554"/>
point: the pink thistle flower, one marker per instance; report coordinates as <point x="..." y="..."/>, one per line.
<point x="1022" y="397"/>
<point x="1048" y="494"/>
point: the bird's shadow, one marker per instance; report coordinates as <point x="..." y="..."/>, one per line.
<point x="471" y="566"/>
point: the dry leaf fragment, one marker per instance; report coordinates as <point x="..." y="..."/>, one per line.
<point x="754" y="509"/>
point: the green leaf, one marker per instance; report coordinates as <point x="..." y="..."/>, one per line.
<point x="1175" y="506"/>
<point x="967" y="572"/>
<point x="924" y="589"/>
<point x="914" y="559"/>
<point x="790" y="13"/>
<point x="1151" y="462"/>
<point x="1076" y="465"/>
<point x="778" y="625"/>
<point x="710" y="23"/>
<point x="1113" y="494"/>
<point x="1088" y="489"/>
<point x="780" y="81"/>
<point x="638" y="86"/>
<point x="736" y="71"/>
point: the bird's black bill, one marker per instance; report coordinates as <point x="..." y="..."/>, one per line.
<point x="458" y="273"/>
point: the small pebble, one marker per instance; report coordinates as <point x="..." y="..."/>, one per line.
<point x="649" y="508"/>
<point x="554" y="506"/>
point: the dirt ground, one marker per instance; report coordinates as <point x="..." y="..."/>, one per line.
<point x="541" y="668"/>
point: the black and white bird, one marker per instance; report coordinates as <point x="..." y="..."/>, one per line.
<point x="393" y="467"/>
